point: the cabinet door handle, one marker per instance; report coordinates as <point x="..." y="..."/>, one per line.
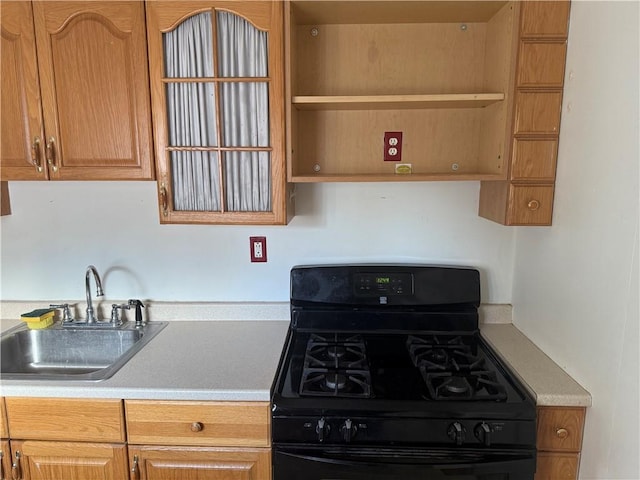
<point x="163" y="200"/>
<point x="51" y="154"/>
<point x="37" y="161"/>
<point x="135" y="469"/>
<point x="16" y="470"/>
<point x="562" y="433"/>
<point x="197" y="427"/>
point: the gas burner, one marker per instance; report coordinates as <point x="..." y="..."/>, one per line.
<point x="443" y="353"/>
<point x="335" y="381"/>
<point x="323" y="382"/>
<point x="475" y="385"/>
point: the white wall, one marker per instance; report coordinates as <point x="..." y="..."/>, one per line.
<point x="576" y="283"/>
<point x="58" y="228"/>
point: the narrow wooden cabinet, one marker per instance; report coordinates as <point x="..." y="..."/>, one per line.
<point x="5" y="459"/>
<point x="217" y="98"/>
<point x="75" y="91"/>
<point x="5" y="201"/>
<point x="5" y="452"/>
<point x="559" y="443"/>
<point x="526" y="198"/>
<point x="204" y="440"/>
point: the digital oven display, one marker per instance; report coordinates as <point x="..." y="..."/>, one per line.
<point x="377" y="284"/>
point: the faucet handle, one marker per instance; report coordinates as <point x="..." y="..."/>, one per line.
<point x="66" y="311"/>
<point x="115" y="317"/>
<point x="139" y="306"/>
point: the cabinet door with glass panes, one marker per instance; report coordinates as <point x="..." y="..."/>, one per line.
<point x="218" y="116"/>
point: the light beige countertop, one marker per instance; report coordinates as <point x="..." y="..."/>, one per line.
<point x="237" y="359"/>
<point x="187" y="360"/>
<point x="547" y="382"/>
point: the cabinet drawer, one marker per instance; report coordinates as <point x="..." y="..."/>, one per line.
<point x="534" y="160"/>
<point x="557" y="466"/>
<point x="530" y="205"/>
<point x="198" y="423"/>
<point x="65" y="419"/>
<point x="538" y="113"/>
<point x="545" y="19"/>
<point x="560" y="428"/>
<point x="541" y="64"/>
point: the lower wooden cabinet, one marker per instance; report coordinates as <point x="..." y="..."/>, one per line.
<point x="86" y="439"/>
<point x="35" y="460"/>
<point x="199" y="463"/>
<point x="5" y="459"/>
<point x="559" y="441"/>
<point x="557" y="466"/>
<point x="171" y="440"/>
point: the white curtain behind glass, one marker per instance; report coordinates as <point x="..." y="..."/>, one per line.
<point x="242" y="51"/>
<point x="191" y="115"/>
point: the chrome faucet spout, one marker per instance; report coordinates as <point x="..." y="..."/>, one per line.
<point x="91" y="270"/>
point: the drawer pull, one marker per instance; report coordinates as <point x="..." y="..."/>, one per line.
<point x="16" y="469"/>
<point x="562" y="433"/>
<point x="533" y="205"/>
<point x="197" y="427"/>
<point x="35" y="154"/>
<point x="135" y="470"/>
<point x="50" y="152"/>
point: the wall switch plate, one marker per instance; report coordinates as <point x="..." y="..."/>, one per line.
<point x="258" y="249"/>
<point x="392" y="146"/>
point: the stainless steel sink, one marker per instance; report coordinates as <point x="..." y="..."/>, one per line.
<point x="58" y="353"/>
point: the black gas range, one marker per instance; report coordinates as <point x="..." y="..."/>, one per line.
<point x="385" y="375"/>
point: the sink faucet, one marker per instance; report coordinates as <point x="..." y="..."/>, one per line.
<point x="91" y="318"/>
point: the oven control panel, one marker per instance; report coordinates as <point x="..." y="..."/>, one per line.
<point x="330" y="430"/>
<point x="376" y="284"/>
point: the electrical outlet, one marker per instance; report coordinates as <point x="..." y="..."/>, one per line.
<point x="392" y="146"/>
<point x="258" y="249"/>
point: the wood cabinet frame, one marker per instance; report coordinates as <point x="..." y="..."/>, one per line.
<point x="164" y="16"/>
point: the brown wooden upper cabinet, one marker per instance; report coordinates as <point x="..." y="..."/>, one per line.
<point x="75" y="91"/>
<point x="217" y="79"/>
<point x="466" y="83"/>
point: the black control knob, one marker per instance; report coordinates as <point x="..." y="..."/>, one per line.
<point x="348" y="430"/>
<point x="482" y="431"/>
<point x="456" y="432"/>
<point x="322" y="429"/>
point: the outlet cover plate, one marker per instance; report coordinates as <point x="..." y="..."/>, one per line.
<point x="258" y="249"/>
<point x="392" y="146"/>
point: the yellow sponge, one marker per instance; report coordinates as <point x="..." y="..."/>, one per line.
<point x="38" y="319"/>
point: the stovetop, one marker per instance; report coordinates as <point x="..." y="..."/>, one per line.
<point x="396" y="371"/>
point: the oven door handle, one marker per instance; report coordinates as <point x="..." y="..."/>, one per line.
<point x="449" y="459"/>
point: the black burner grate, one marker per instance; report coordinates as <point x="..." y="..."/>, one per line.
<point x="336" y="365"/>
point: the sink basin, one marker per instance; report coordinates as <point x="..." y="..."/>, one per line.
<point x="58" y="353"/>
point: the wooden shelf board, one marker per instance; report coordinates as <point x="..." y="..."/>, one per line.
<point x="414" y="177"/>
<point x="310" y="12"/>
<point x="380" y="102"/>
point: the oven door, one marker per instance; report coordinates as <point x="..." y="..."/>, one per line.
<point x="374" y="463"/>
